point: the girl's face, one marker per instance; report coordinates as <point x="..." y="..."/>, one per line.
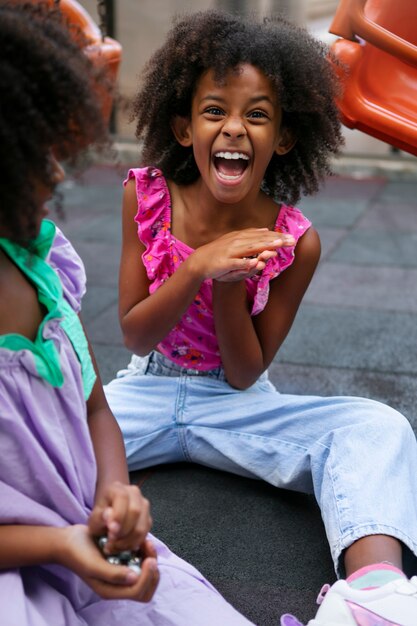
<point x="235" y="128"/>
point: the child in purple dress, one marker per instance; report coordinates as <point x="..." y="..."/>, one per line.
<point x="63" y="474"/>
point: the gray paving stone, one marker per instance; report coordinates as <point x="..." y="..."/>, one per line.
<point x="398" y="192"/>
<point x="335" y="212"/>
<point x="352" y="338"/>
<point x="105" y="328"/>
<point x="104" y="228"/>
<point x="79" y="198"/>
<point x="101" y="260"/>
<point x="390" y="216"/>
<point x="347" y="285"/>
<point x="358" y="188"/>
<point x="378" y="248"/>
<point x="111" y="175"/>
<point x="330" y="238"/>
<point x="97" y="300"/>
<point x="110" y="359"/>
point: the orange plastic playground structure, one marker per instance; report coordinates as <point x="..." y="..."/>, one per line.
<point x="378" y="50"/>
<point x="102" y="50"/>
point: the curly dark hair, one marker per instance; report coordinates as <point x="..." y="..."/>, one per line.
<point x="297" y="66"/>
<point x="48" y="101"/>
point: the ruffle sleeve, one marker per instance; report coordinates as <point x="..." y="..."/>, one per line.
<point x="154" y="223"/>
<point x="70" y="269"/>
<point x="290" y="220"/>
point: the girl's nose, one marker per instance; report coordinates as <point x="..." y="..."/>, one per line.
<point x="234" y="127"/>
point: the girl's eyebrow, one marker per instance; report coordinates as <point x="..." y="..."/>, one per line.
<point x="253" y="100"/>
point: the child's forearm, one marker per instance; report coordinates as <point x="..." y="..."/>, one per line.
<point x="73" y="548"/>
<point x="22" y="545"/>
<point x="109" y="450"/>
<point x="152" y="319"/>
<point x="106" y="437"/>
<point x="239" y="345"/>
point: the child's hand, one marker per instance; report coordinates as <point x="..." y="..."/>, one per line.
<point x="254" y="265"/>
<point x="80" y="554"/>
<point x="123" y="514"/>
<point x="239" y="254"/>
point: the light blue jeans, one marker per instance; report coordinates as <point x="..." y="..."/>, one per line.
<point x="358" y="456"/>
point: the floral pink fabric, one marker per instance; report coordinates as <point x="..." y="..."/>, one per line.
<point x="192" y="342"/>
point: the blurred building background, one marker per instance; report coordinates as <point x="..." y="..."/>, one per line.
<point x="141" y="25"/>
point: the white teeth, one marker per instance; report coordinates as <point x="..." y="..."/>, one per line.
<point x="232" y="155"/>
<point x="228" y="177"/>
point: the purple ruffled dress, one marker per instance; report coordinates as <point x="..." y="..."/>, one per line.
<point x="48" y="471"/>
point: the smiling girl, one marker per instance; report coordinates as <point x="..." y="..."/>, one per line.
<point x="237" y="119"/>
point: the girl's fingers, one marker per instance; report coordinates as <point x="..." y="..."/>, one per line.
<point x="276" y="240"/>
<point x="109" y="510"/>
<point x="114" y="515"/>
<point x="96" y="567"/>
<point x="148" y="549"/>
<point x="151" y="579"/>
<point x="231" y="253"/>
<point x="126" y="509"/>
<point x="270" y="243"/>
<point x="284" y="240"/>
<point x="121" y="575"/>
<point x="122" y="585"/>
<point x="124" y="516"/>
<point x="266" y="255"/>
<point x="133" y="532"/>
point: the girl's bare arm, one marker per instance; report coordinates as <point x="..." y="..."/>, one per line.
<point x="120" y="510"/>
<point x="73" y="547"/>
<point x="248" y="344"/>
<point x="106" y="437"/>
<point x="29" y="545"/>
<point x="145" y="320"/>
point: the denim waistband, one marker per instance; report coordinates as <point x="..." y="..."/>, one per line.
<point x="159" y="365"/>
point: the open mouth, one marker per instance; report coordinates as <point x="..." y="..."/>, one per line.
<point x="230" y="165"/>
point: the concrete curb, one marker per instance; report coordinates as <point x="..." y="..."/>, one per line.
<point x="393" y="168"/>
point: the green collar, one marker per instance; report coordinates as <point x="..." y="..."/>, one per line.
<point x="32" y="262"/>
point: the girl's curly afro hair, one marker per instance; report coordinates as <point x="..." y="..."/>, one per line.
<point x="48" y="101"/>
<point x="297" y="66"/>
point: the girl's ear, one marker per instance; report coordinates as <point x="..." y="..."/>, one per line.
<point x="181" y="128"/>
<point x="286" y="141"/>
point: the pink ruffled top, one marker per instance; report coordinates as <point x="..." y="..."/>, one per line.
<point x="192" y="343"/>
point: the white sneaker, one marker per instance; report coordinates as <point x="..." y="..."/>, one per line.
<point x="393" y="604"/>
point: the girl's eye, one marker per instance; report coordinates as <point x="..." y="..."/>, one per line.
<point x="213" y="111"/>
<point x="257" y="114"/>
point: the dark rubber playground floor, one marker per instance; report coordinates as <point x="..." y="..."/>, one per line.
<point x="355" y="334"/>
